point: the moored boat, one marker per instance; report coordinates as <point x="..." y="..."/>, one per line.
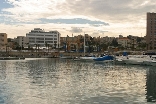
<point x="136" y="59"/>
<point x="120" y="59"/>
<point x="87" y="58"/>
<point x="150" y="61"/>
<point x="104" y="58"/>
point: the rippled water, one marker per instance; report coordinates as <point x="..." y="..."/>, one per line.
<point x="60" y="81"/>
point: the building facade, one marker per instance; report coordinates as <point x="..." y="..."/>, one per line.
<point x="107" y="39"/>
<point x="22" y="41"/>
<point x="3" y="41"/>
<point x="125" y="42"/>
<point x="151" y="31"/>
<point x="40" y="37"/>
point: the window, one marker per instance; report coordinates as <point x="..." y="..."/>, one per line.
<point x="48" y="38"/>
<point x="49" y="41"/>
<point x="31" y="41"/>
<point x="49" y="35"/>
<point x="40" y="41"/>
<point x="39" y="38"/>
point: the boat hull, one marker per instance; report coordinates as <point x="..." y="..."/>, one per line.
<point x="104" y="58"/>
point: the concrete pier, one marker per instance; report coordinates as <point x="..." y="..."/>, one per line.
<point x="12" y="58"/>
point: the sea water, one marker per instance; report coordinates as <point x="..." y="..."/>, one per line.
<point x="65" y="81"/>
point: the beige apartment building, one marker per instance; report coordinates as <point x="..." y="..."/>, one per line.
<point x="151" y="31"/>
<point x="125" y="42"/>
<point x="3" y="41"/>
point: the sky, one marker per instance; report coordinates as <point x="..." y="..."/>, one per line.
<point x="93" y="17"/>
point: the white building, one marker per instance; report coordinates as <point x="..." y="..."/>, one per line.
<point x="40" y="37"/>
<point x="22" y="41"/>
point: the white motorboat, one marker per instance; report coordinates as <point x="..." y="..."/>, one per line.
<point x="153" y="63"/>
<point x="87" y="58"/>
<point x="136" y="59"/>
<point x="150" y="61"/>
<point x="120" y="59"/>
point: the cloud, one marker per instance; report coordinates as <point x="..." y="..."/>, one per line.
<point x="76" y="30"/>
<point x="73" y="21"/>
<point x="100" y="10"/>
<point x="114" y="16"/>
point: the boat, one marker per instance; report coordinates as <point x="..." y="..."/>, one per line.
<point x="106" y="58"/>
<point x="120" y="59"/>
<point x="66" y="57"/>
<point x="87" y="58"/>
<point x="151" y="61"/>
<point x="135" y="59"/>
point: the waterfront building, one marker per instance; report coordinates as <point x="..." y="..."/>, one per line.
<point x="107" y="40"/>
<point x="151" y="31"/>
<point x="125" y="42"/>
<point x="42" y="38"/>
<point x="22" y="41"/>
<point x="69" y="43"/>
<point x="3" y="41"/>
<point x="74" y="43"/>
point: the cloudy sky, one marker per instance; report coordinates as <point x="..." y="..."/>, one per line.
<point x="93" y="17"/>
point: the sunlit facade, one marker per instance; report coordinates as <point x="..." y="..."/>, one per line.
<point x="22" y="41"/>
<point x="125" y="42"/>
<point x="3" y="41"/>
<point x="40" y="37"/>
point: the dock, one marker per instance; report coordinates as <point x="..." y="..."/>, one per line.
<point x="12" y="58"/>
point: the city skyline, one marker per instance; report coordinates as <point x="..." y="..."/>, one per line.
<point x="93" y="17"/>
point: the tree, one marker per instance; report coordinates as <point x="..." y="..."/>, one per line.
<point x="28" y="46"/>
<point x="46" y="45"/>
<point x="138" y="39"/>
<point x="6" y="47"/>
<point x="143" y="45"/>
<point x="55" y="44"/>
<point x="104" y="46"/>
<point x="114" y="43"/>
<point x="15" y="46"/>
<point x="90" y="46"/>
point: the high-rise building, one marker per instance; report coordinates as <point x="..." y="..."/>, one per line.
<point x="3" y="41"/>
<point x="40" y="37"/>
<point x="151" y="31"/>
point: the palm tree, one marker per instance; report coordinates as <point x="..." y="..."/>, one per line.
<point x="28" y="45"/>
<point x="37" y="48"/>
<point x="46" y="45"/>
<point x="55" y="44"/>
<point x="6" y="47"/>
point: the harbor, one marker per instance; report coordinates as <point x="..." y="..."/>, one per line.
<point x="122" y="57"/>
<point x="77" y="52"/>
<point x="57" y="81"/>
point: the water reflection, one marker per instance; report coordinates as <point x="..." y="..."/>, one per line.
<point x="57" y="81"/>
<point x="151" y="85"/>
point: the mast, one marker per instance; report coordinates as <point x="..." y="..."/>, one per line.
<point x="84" y="44"/>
